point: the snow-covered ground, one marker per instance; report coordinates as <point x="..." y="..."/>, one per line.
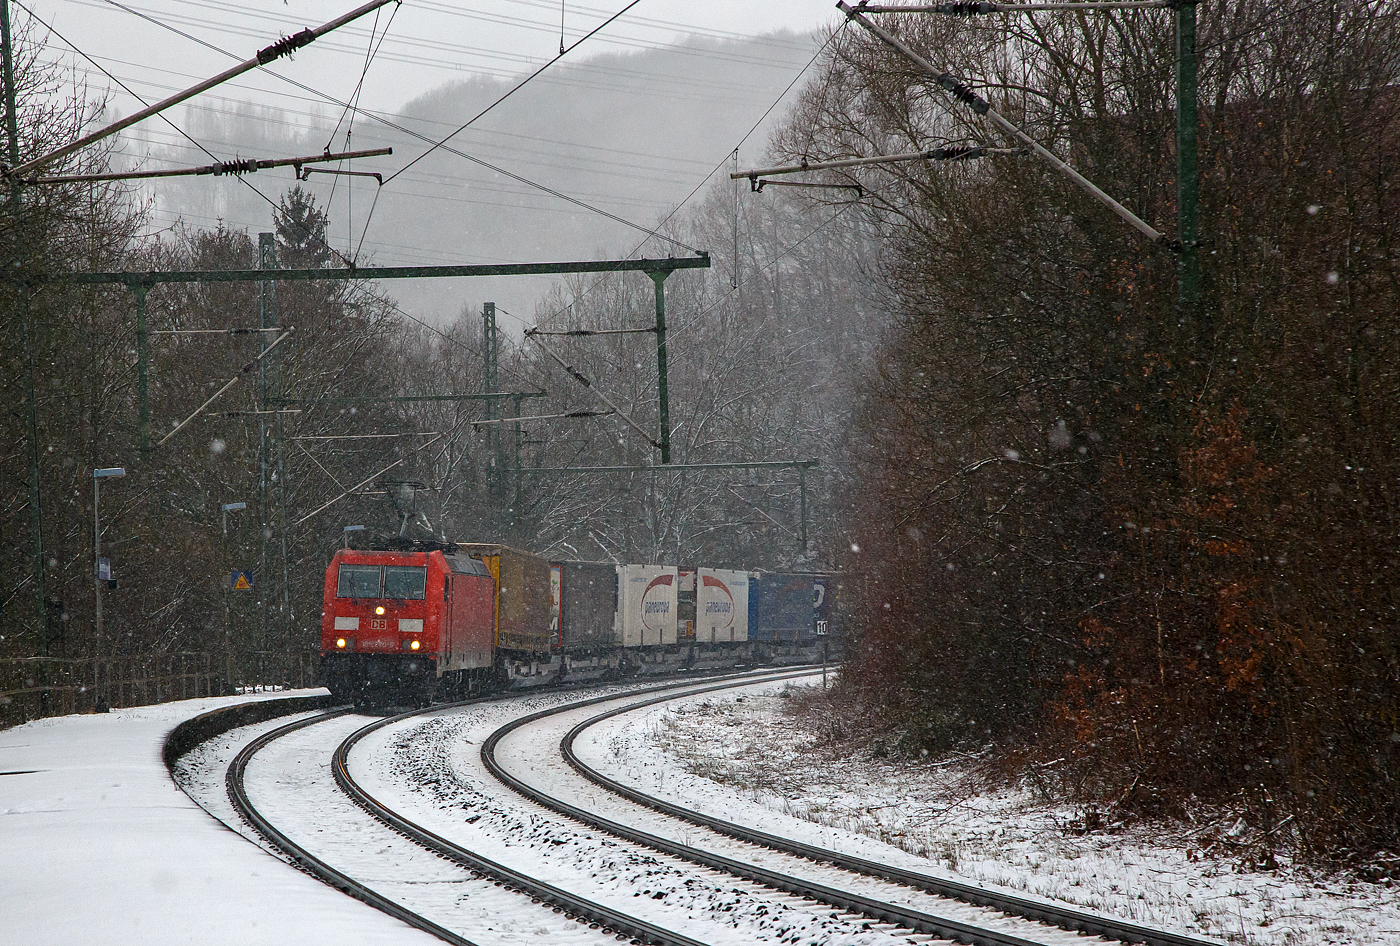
<point x="430" y="771"/>
<point x="98" y="845"/>
<point x="742" y="756"/>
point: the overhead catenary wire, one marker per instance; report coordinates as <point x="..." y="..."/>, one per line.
<point x="180" y="131"/>
<point x="371" y="49"/>
<point x="551" y="318"/>
<point x="405" y="433"/>
<point x="519" y="85"/>
<point x="973" y="9"/>
<point x="367" y="480"/>
<point x="283" y="47"/>
<point x="954" y="153"/>
<point x="220" y="168"/>
<point x="213" y="331"/>
<point x="585" y="332"/>
<point x="242" y="373"/>
<point x="389" y="123"/>
<point x="521" y="420"/>
<point x="453" y="54"/>
<point x="394" y="305"/>
<point x="650" y="233"/>
<point x="283" y="410"/>
<point x="979" y="105"/>
<point x="453" y="59"/>
<point x="598" y="392"/>
<point x="694" y="321"/>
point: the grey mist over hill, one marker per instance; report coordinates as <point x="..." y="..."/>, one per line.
<point x="630" y="133"/>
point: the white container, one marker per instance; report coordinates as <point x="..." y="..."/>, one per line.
<point x="721" y="606"/>
<point x="646" y="606"/>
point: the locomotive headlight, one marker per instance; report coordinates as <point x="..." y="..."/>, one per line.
<point x="340" y="643"/>
<point x="379" y="610"/>
<point x="415" y="645"/>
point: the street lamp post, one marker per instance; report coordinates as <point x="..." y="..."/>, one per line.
<point x="226" y="508"/>
<point x="98" y="578"/>
<point x="345" y="534"/>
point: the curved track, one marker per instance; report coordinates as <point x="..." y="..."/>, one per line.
<point x="547" y="899"/>
<point x="1065" y="918"/>
<point x="299" y="855"/>
<point x="558" y="898"/>
<point x="857" y="888"/>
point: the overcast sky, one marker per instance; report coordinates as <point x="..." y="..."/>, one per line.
<point x="418" y="46"/>
<point x="427" y="43"/>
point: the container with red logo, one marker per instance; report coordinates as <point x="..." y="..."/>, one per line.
<point x="646" y="610"/>
<point x="721" y="606"/>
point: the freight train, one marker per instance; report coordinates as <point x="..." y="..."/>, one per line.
<point x="414" y="621"/>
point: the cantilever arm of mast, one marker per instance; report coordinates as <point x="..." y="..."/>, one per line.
<point x="678" y="467"/>
<point x="577" y="376"/>
<point x="242" y="373"/>
<point x="954" y="153"/>
<point x="979" y="105"/>
<point x="283" y="47"/>
<point x="521" y="420"/>
<point x="235" y="167"/>
<point x="406" y="398"/>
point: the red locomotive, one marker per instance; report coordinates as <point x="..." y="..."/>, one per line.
<point x="399" y="623"/>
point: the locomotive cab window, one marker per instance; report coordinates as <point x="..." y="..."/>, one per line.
<point x="405" y="581"/>
<point x="357" y="581"/>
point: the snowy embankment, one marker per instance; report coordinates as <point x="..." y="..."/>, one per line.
<point x="100" y="846"/>
<point x="743" y="757"/>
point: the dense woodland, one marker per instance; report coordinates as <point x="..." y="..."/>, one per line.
<point x="1149" y="552"/>
<point x="1154" y="550"/>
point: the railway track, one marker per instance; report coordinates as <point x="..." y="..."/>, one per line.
<point x="1063" y="917"/>
<point x="610" y="924"/>
<point x="300" y="855"/>
<point x="607" y="922"/>
<point x="884" y="916"/>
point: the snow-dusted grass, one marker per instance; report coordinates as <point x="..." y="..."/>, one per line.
<point x="758" y="750"/>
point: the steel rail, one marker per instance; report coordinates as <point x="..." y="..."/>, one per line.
<point x="571" y="904"/>
<point x="304" y="859"/>
<point x="878" y="910"/>
<point x="1064" y="917"/>
<point x="554" y="896"/>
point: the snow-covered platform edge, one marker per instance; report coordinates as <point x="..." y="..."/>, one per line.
<point x="98" y="837"/>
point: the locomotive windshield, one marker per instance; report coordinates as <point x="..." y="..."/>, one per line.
<point x="375" y="581"/>
<point x="358" y="581"/>
<point x="405" y="581"/>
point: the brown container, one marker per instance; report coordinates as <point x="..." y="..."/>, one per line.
<point x="522" y="598"/>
